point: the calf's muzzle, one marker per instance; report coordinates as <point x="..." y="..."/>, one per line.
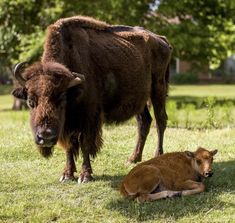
<point x="208" y="174"/>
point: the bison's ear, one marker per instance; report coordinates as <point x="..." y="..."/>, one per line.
<point x="78" y="79"/>
<point x="189" y="154"/>
<point x="214" y="152"/>
<point x="20" y="93"/>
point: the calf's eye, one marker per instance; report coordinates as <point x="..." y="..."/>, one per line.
<point x="199" y="162"/>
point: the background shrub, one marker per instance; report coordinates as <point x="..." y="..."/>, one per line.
<point x="185" y="78"/>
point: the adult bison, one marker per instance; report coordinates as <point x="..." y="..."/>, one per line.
<point x="90" y="73"/>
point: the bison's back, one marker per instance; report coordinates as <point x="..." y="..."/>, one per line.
<point x="116" y="63"/>
<point x="121" y="65"/>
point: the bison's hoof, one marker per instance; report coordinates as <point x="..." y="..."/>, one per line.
<point x="132" y="160"/>
<point x="65" y="179"/>
<point x="85" y="178"/>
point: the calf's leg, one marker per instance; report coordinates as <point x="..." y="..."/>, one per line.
<point x="159" y="195"/>
<point x="192" y="187"/>
<point x="144" y="121"/>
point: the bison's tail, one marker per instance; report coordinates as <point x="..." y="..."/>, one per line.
<point x="167" y="76"/>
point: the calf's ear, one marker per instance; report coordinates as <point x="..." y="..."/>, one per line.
<point x="213" y="152"/>
<point x="189" y="154"/>
<point x="20" y="93"/>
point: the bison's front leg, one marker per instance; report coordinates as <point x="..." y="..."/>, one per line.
<point x="70" y="168"/>
<point x="71" y="148"/>
<point x="91" y="142"/>
<point x="85" y="175"/>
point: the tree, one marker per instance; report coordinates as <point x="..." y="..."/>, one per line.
<point x="23" y="22"/>
<point x="200" y="31"/>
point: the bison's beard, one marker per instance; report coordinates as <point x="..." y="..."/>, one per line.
<point x="46" y="151"/>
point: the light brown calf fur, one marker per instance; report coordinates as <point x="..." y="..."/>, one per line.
<point x="169" y="175"/>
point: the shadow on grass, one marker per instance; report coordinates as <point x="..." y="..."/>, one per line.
<point x="114" y="180"/>
<point x="6" y="110"/>
<point x="200" y="102"/>
<point x="172" y="209"/>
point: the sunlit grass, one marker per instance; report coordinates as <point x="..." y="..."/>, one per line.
<point x="30" y="190"/>
<point x="223" y="91"/>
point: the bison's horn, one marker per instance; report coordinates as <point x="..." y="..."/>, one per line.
<point x="17" y="73"/>
<point x="81" y="76"/>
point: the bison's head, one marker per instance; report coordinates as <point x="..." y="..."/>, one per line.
<point x="44" y="87"/>
<point x="202" y="161"/>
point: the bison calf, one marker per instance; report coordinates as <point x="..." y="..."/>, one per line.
<point x="169" y="175"/>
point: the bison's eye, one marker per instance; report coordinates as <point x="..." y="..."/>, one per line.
<point x="199" y="162"/>
<point x="31" y="102"/>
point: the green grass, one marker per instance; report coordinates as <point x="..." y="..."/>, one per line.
<point x="223" y="91"/>
<point x="30" y="190"/>
<point x="197" y="107"/>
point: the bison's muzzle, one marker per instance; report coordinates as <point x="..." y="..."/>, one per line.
<point x="46" y="137"/>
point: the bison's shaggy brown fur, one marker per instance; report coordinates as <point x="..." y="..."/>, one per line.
<point x="92" y="72"/>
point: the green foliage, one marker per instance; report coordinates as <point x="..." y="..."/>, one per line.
<point x="5" y="89"/>
<point x="185" y="78"/>
<point x="23" y="22"/>
<point x="200" y="31"/>
<point x="204" y="32"/>
<point x="172" y="113"/>
<point x="210" y="103"/>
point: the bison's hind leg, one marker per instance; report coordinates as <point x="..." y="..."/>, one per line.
<point x="144" y="121"/>
<point x="158" y="98"/>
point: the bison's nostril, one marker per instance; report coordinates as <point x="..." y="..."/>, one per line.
<point x="46" y="137"/>
<point x="40" y="139"/>
<point x="209" y="174"/>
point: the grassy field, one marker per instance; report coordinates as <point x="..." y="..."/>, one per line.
<point x="30" y="190"/>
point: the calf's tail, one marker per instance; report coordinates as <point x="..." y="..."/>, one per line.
<point x="125" y="194"/>
<point x="123" y="191"/>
